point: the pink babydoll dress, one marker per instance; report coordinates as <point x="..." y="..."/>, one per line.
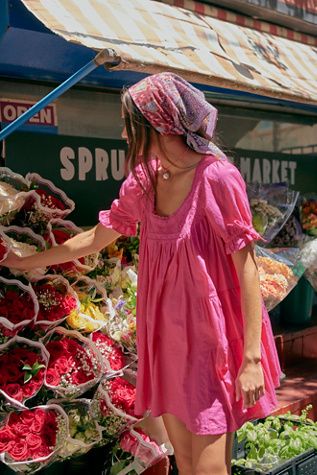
<point x="189" y="320"/>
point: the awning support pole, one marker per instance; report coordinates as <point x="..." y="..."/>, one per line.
<point x="106" y="56"/>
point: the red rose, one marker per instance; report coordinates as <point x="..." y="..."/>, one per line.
<point x="14" y="390"/>
<point x="27" y="417"/>
<point x="39" y="420"/>
<point x="62" y="365"/>
<point x="129" y="443"/>
<point x="53" y="378"/>
<point x="7" y="439"/>
<point x="30" y="388"/>
<point x="40" y="452"/>
<point x="19" y="451"/>
<point x="33" y="441"/>
<point x="122" y="394"/>
<point x="10" y="372"/>
<point x="19" y="428"/>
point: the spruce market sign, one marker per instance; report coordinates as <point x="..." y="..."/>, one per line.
<point x="299" y="171"/>
<point x="90" y="170"/>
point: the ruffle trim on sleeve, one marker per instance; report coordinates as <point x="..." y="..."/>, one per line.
<point x="240" y="235"/>
<point x="107" y="219"/>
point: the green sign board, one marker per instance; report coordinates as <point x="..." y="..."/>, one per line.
<point x="299" y="171"/>
<point x="89" y="170"/>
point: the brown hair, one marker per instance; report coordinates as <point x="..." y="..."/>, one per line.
<point x="139" y="137"/>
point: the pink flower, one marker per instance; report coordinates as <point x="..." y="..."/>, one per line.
<point x="19" y="450"/>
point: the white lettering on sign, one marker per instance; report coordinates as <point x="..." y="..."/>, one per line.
<point x="265" y="171"/>
<point x="11" y="109"/>
<point x="78" y="164"/>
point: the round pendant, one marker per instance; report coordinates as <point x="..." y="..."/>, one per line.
<point x="166" y="175"/>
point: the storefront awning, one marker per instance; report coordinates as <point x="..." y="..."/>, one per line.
<point x="151" y="36"/>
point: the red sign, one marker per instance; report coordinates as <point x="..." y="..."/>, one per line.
<point x="11" y="109"/>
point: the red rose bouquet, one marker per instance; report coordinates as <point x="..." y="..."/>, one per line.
<point x="22" y="367"/>
<point x="74" y="364"/>
<point x="45" y="201"/>
<point x="113" y="405"/>
<point x="29" y="439"/>
<point x="145" y="450"/>
<point x="56" y="300"/>
<point x="18" y="307"/>
<point x="59" y="231"/>
<point x="112" y="354"/>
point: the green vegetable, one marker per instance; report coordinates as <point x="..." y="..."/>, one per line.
<point x="276" y="439"/>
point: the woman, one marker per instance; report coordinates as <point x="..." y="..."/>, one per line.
<point x="207" y="359"/>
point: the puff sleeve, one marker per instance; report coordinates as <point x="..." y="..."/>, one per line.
<point x="126" y="211"/>
<point x="228" y="206"/>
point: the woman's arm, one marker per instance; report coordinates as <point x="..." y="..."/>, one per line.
<point x="78" y="246"/>
<point x="250" y="382"/>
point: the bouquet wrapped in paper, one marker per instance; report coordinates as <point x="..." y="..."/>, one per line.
<point x="13" y="193"/>
<point x="271" y="206"/>
<point x="56" y="300"/>
<point x="4" y="247"/>
<point x="113" y="406"/>
<point x="93" y="312"/>
<point x="18" y="307"/>
<point x="110" y="351"/>
<point x="308" y="214"/>
<point x="59" y="231"/>
<point x="84" y="432"/>
<point x="279" y="272"/>
<point x="135" y="452"/>
<point x="30" y="439"/>
<point x="75" y="364"/>
<point x="44" y="202"/>
<point x="23" y="364"/>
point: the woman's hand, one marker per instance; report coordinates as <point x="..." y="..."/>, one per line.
<point x="250" y="383"/>
<point x="13" y="261"/>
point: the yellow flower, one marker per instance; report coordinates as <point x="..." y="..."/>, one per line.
<point x="87" y="319"/>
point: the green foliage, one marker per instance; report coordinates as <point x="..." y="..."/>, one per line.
<point x="276" y="439"/>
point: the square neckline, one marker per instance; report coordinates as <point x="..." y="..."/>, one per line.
<point x="187" y="197"/>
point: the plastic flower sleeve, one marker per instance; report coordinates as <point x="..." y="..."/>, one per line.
<point x="59" y="231"/>
<point x="13" y="193"/>
<point x="45" y="201"/>
<point x="75" y="365"/>
<point x="31" y="439"/>
<point x="23" y="241"/>
<point x="4" y="246"/>
<point x="56" y="300"/>
<point x="271" y="206"/>
<point x="309" y="260"/>
<point x="84" y="432"/>
<point x="308" y="214"/>
<point x="18" y="307"/>
<point x="23" y="365"/>
<point x="291" y="235"/>
<point x="93" y="313"/>
<point x="279" y="271"/>
<point x="113" y="406"/>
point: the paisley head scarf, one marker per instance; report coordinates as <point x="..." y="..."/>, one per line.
<point x="174" y="107"/>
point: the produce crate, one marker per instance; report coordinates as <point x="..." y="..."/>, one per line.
<point x="304" y="464"/>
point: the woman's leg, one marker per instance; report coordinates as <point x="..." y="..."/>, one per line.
<point x="211" y="454"/>
<point x="181" y="440"/>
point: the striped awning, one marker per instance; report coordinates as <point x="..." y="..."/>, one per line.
<point x="151" y="36"/>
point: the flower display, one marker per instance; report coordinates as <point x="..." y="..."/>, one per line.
<point x="22" y="368"/>
<point x="114" y="403"/>
<point x="56" y="300"/>
<point x="110" y="351"/>
<point x="32" y="436"/>
<point x="73" y="365"/>
<point x="13" y="188"/>
<point x="279" y="272"/>
<point x="18" y="307"/>
<point x="308" y="215"/>
<point x="141" y="446"/>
